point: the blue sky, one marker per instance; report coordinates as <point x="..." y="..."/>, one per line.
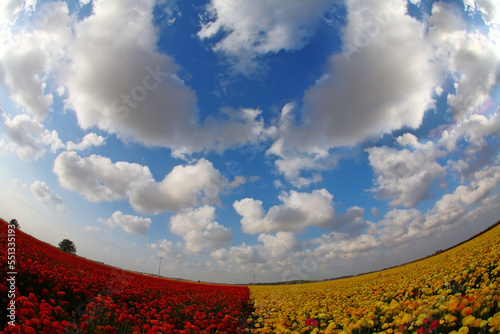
<point x="286" y="139"/>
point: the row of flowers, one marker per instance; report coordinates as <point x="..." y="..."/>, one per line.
<point x="61" y="293"/>
<point x="454" y="292"/>
<point x="457" y="291"/>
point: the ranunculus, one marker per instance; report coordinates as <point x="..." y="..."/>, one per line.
<point x="311" y="322"/>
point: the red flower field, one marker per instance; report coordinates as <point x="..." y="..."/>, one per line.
<point x="49" y="291"/>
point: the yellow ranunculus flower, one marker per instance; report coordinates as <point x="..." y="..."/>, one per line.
<point x="449" y="318"/>
<point x="406" y="318"/>
<point x="442" y="287"/>
<point x="468" y="320"/>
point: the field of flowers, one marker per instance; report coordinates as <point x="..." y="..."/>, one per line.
<point x="55" y="292"/>
<point x="457" y="291"/>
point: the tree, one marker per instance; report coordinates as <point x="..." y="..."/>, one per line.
<point x="13" y="222"/>
<point x="67" y="246"/>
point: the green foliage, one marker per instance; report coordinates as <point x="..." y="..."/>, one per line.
<point x="67" y="246"/>
<point x="13" y="222"/>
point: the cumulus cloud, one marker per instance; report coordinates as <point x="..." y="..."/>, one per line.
<point x="242" y="255"/>
<point x="283" y="256"/>
<point x="129" y="223"/>
<point x="199" y="229"/>
<point x="383" y="80"/>
<point x="254" y="28"/>
<point x="166" y="249"/>
<point x="404" y="176"/>
<point x="28" y="137"/>
<point x="135" y="92"/>
<point x="9" y="11"/>
<point x="29" y="58"/>
<point x="386" y="78"/>
<point x="128" y="87"/>
<point x="89" y="140"/>
<point x="280" y="245"/>
<point x="41" y="191"/>
<point x="183" y="187"/>
<point x="99" y="179"/>
<point x="351" y="104"/>
<point x="297" y="211"/>
<point x="452" y="207"/>
<point x="468" y="54"/>
<point x="489" y="9"/>
<point x="43" y="194"/>
<point x="60" y="204"/>
<point x="20" y="70"/>
<point x="484" y="181"/>
<point x="19" y="183"/>
<point x="291" y="161"/>
<point x="473" y="130"/>
<point x="479" y="151"/>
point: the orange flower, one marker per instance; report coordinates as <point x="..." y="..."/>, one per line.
<point x="466" y="311"/>
<point x="453" y="305"/>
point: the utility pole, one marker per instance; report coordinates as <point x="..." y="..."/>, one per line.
<point x="254" y="278"/>
<point x="159" y="268"/>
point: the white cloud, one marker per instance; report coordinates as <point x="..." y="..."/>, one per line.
<point x="41" y="191"/>
<point x="183" y="187"/>
<point x="18" y="183"/>
<point x="489" y="9"/>
<point x="199" y="229"/>
<point x="97" y="178"/>
<point x="242" y="255"/>
<point x="9" y="11"/>
<point x="43" y="194"/>
<point x="89" y="140"/>
<point x="473" y="130"/>
<point x="375" y="211"/>
<point x="28" y="137"/>
<point x="399" y="226"/>
<point x="472" y="136"/>
<point x="484" y="181"/>
<point x="451" y="208"/>
<point x="130" y="89"/>
<point x="238" y="181"/>
<point x="59" y="204"/>
<point x="89" y="228"/>
<point x="21" y="67"/>
<point x="402" y="175"/>
<point x="28" y="58"/>
<point x="298" y="211"/>
<point x="166" y="249"/>
<point x="383" y="80"/>
<point x="381" y="45"/>
<point x="280" y="245"/>
<point x="291" y="161"/>
<point x="468" y="54"/>
<point x="129" y="223"/>
<point x="254" y="28"/>
<point x="127" y="88"/>
<point x="283" y="257"/>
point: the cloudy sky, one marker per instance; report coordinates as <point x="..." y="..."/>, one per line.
<point x="286" y="139"/>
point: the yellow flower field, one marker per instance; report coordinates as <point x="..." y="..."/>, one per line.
<point x="456" y="291"/>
